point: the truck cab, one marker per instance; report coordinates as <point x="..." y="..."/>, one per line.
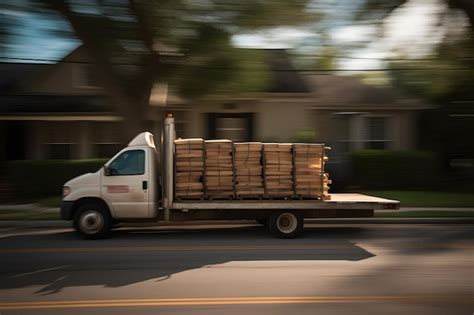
<point x="126" y="187"/>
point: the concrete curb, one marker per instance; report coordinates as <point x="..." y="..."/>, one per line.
<point x="68" y="224"/>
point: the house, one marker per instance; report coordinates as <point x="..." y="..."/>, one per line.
<point x="60" y="112"/>
<point x="56" y="111"/>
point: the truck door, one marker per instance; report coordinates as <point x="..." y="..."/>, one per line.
<point x="125" y="184"/>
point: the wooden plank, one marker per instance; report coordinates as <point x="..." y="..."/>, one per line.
<point x="219" y="173"/>
<point x="248" y="184"/>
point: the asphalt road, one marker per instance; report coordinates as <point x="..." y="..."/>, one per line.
<point x="335" y="269"/>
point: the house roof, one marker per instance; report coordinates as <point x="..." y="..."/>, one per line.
<point x="335" y="91"/>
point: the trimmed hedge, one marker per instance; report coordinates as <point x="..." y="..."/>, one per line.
<point x="41" y="179"/>
<point x="395" y="169"/>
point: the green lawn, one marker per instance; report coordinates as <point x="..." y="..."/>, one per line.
<point x="425" y="198"/>
<point x="426" y="214"/>
<point x="52" y="202"/>
<point x="27" y="215"/>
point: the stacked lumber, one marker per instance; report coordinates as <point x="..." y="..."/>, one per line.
<point x="278" y="169"/>
<point x="189" y="168"/>
<point x="248" y="170"/>
<point x="326" y="183"/>
<point x="310" y="179"/>
<point x="219" y="170"/>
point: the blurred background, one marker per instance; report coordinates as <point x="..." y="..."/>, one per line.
<point x="388" y="84"/>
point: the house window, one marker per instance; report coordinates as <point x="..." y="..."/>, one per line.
<point x="106" y="139"/>
<point x="377" y="136"/>
<point x="342" y="123"/>
<point x="344" y="126"/>
<point x="60" y="142"/>
<point x="85" y="76"/>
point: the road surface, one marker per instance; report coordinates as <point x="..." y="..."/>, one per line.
<point x="240" y="269"/>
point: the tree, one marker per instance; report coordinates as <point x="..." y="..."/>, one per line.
<point x="187" y="43"/>
<point x="378" y="9"/>
<point x="444" y="78"/>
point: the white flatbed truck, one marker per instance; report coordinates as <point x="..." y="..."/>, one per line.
<point x="137" y="185"/>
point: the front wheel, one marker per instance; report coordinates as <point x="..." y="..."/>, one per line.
<point x="286" y="224"/>
<point x="92" y="221"/>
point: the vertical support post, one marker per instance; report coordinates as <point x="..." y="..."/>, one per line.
<point x="204" y="172"/>
<point x="234" y="171"/>
<point x="264" y="171"/>
<point x="323" y="154"/>
<point x="169" y="136"/>
<point x="293" y="169"/>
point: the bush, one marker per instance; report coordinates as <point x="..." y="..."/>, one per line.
<point x="40" y="179"/>
<point x="395" y="169"/>
<point x="304" y="136"/>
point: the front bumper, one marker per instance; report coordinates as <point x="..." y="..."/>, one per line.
<point x="67" y="208"/>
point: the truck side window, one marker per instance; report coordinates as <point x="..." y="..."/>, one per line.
<point x="128" y="163"/>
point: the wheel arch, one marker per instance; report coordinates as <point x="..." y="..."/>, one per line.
<point x="85" y="200"/>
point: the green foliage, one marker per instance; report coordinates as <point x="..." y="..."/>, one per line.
<point x="426" y="214"/>
<point x="437" y="80"/>
<point x="377" y="10"/>
<point x="233" y="71"/>
<point x="394" y="169"/>
<point x="40" y="179"/>
<point x="304" y="136"/>
<point x="188" y="43"/>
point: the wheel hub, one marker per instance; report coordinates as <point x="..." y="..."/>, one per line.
<point x="287" y="223"/>
<point x="91" y="222"/>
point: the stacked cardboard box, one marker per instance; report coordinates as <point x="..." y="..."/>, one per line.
<point x="248" y="170"/>
<point x="219" y="171"/>
<point x="310" y="180"/>
<point x="278" y="173"/>
<point x="189" y="168"/>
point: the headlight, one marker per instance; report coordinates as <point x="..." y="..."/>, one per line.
<point x="66" y="191"/>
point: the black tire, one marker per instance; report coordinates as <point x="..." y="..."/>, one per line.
<point x="92" y="221"/>
<point x="286" y="224"/>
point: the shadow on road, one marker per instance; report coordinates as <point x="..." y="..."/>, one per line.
<point x="54" y="270"/>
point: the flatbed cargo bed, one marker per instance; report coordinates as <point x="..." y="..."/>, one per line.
<point x="339" y="201"/>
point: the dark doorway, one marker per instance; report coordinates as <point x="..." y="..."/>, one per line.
<point x="15" y="140"/>
<point x="233" y="126"/>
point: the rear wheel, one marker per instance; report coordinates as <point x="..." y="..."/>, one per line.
<point x="286" y="224"/>
<point x="92" y="221"/>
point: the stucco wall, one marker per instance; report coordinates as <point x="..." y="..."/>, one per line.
<point x="272" y="121"/>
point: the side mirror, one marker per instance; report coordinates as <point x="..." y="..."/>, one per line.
<point x="107" y="170"/>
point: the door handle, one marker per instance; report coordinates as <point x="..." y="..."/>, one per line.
<point x="145" y="185"/>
